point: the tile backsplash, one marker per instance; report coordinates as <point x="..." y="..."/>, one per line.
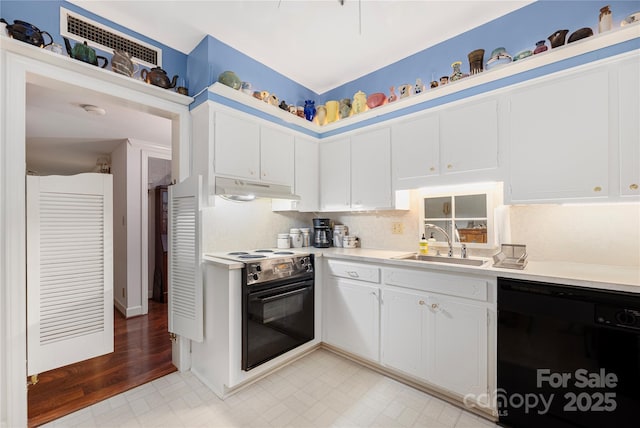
<point x="595" y="233"/>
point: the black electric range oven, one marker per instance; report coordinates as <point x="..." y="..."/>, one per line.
<point x="277" y="304"/>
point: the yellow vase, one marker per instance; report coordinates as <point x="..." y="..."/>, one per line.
<point x="332" y="111"/>
<point x="359" y="102"/>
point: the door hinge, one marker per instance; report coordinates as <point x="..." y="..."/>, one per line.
<point x="32" y="380"/>
<point x="173" y="337"/>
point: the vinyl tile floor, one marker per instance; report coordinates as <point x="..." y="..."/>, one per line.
<point x="321" y="389"/>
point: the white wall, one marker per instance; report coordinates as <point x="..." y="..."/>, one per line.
<point x="232" y="226"/>
<point x="119" y="171"/>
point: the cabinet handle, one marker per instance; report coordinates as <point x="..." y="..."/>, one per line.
<point x="633" y="186"/>
<point x="433" y="168"/>
<point x="422" y="302"/>
<point x="434" y="306"/>
<point x="353" y="274"/>
<point x="264" y="174"/>
<point x="597" y="189"/>
<point x="449" y="166"/>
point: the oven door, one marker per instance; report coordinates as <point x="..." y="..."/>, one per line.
<point x="275" y="319"/>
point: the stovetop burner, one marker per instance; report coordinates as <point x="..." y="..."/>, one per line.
<point x="263" y="251"/>
<point x="284" y="253"/>
<point x="237" y="253"/>
<point x="251" y="256"/>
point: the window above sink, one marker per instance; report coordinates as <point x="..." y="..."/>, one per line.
<point x="465" y="212"/>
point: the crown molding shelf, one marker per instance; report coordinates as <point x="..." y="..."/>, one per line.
<point x="581" y="47"/>
<point x="10" y="45"/>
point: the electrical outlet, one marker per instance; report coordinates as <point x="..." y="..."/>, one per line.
<point x="397" y="228"/>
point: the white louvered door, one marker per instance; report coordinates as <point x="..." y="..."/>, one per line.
<point x="185" y="254"/>
<point x="69" y="269"/>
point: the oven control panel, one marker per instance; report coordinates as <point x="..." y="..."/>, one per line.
<point x="278" y="268"/>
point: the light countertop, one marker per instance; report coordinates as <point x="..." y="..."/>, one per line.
<point x="607" y="277"/>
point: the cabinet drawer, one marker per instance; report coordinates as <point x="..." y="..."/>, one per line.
<point x="453" y="285"/>
<point x="355" y="271"/>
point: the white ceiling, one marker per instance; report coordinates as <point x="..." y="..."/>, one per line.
<point x="320" y="44"/>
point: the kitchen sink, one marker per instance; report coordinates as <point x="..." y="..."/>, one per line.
<point x="443" y="259"/>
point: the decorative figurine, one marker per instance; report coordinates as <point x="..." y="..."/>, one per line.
<point x="433" y="84"/>
<point x="605" y="20"/>
<point x="392" y="94"/>
<point x="405" y="90"/>
<point x="457" y="74"/>
<point x="283" y="105"/>
<point x="418" y="88"/>
<point x="321" y="115"/>
<point x="444" y="80"/>
<point x="309" y="110"/>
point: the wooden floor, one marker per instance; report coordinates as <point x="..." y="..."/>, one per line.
<point x="142" y="353"/>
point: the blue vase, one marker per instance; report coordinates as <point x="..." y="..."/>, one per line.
<point x="309" y="110"/>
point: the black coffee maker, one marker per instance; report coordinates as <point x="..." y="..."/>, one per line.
<point x="322" y="236"/>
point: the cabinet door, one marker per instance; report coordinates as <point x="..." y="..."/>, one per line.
<point x="335" y="185"/>
<point x="371" y="170"/>
<point x="414" y="151"/>
<point x="352" y="317"/>
<point x="559" y="133"/>
<point x="458" y="341"/>
<point x="403" y="329"/>
<point x="276" y="156"/>
<point x="469" y="137"/>
<point x="629" y="125"/>
<point x="307" y="174"/>
<point x="237" y="146"/>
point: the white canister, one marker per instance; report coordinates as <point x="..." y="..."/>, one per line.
<point x="349" y="241"/>
<point x="284" y="240"/>
<point x="306" y="236"/>
<point x="339" y="232"/>
<point x="296" y="238"/>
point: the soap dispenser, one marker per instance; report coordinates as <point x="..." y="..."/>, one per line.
<point x="431" y="241"/>
<point x="424" y="245"/>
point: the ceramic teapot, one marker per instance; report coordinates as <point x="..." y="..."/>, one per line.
<point x="158" y="77"/>
<point x="557" y="39"/>
<point x="25" y="32"/>
<point x="121" y="63"/>
<point x="82" y="52"/>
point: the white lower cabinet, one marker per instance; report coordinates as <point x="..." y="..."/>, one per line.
<point x="437" y="338"/>
<point x="351" y="305"/>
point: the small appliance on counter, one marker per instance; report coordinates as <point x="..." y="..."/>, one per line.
<point x="322" y="236"/>
<point x="511" y="256"/>
<point x="339" y="232"/>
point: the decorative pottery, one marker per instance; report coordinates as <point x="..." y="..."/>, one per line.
<point x="283" y="105"/>
<point x="27" y="33"/>
<point x="300" y="111"/>
<point x="230" y="79"/>
<point x="345" y="108"/>
<point x="476" y="60"/>
<point x="121" y="63"/>
<point x="359" y="102"/>
<point x="376" y="100"/>
<point x="82" y="52"/>
<point x="522" y="55"/>
<point x="392" y="94"/>
<point x="433" y="84"/>
<point x="321" y="115"/>
<point x="293" y="109"/>
<point x="540" y="47"/>
<point x="605" y="20"/>
<point x="499" y="56"/>
<point x="332" y="110"/>
<point x="457" y="74"/>
<point x="405" y="90"/>
<point x="264" y="96"/>
<point x="158" y="77"/>
<point x="558" y="38"/>
<point x="257" y="95"/>
<point x="444" y="80"/>
<point x="309" y="110"/>
<point x="273" y="100"/>
<point x="246" y="88"/>
<point x="418" y="88"/>
<point x="580" y="34"/>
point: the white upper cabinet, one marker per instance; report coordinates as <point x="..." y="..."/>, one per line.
<point x="276" y="156"/>
<point x="307" y="174"/>
<point x="629" y="127"/>
<point x="335" y="180"/>
<point x="559" y="139"/>
<point x="415" y="151"/>
<point x="371" y="170"/>
<point x="469" y="137"/>
<point x="237" y="146"/>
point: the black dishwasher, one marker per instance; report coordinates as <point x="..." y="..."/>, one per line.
<point x="567" y="356"/>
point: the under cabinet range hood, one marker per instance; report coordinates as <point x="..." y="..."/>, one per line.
<point x="242" y="190"/>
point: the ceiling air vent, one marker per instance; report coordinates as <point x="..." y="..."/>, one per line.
<point x="80" y="28"/>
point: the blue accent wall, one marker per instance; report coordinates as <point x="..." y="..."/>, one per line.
<point x="516" y="31"/>
<point x="46" y="16"/>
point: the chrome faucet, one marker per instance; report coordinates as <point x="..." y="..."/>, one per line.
<point x="438" y="228"/>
